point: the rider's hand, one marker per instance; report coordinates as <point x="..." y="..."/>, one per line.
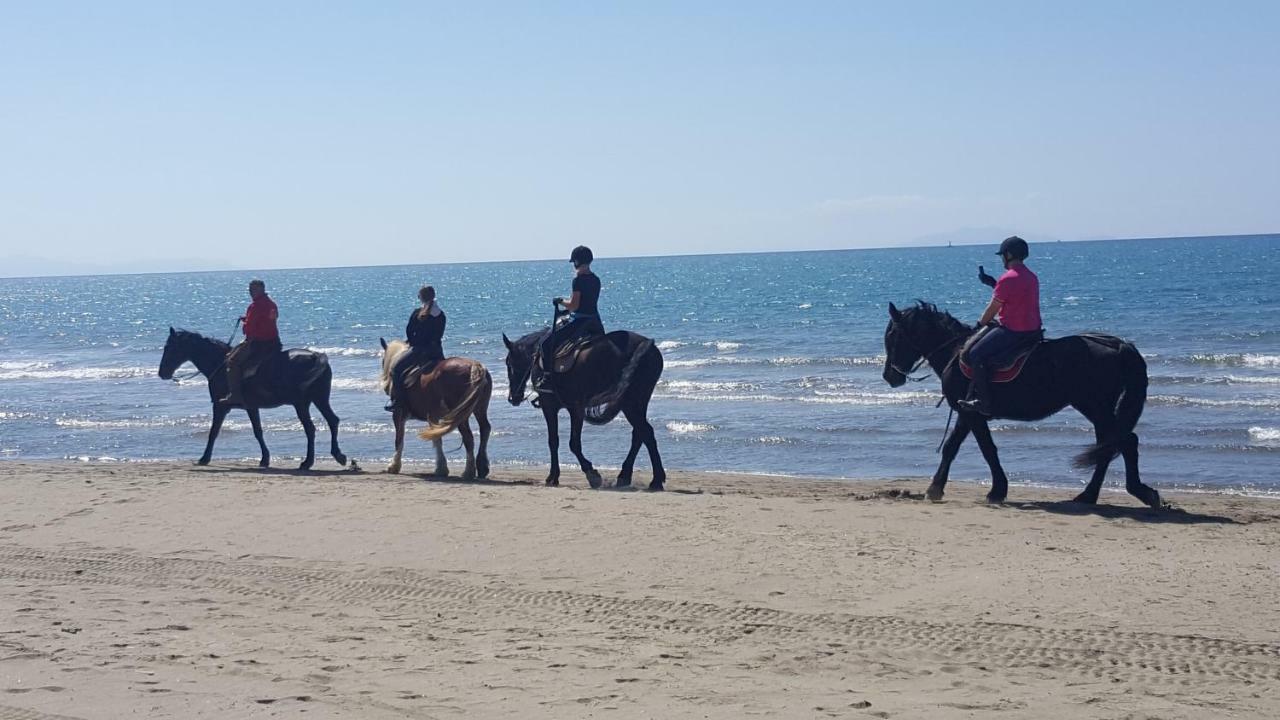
<point x="985" y="278"/>
<point x="557" y="301"/>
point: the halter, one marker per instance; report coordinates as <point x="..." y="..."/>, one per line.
<point x="197" y="372"/>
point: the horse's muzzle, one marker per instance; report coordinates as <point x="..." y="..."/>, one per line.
<point x="894" y="378"/>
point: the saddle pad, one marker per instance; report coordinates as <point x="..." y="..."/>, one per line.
<point x="567" y="354"/>
<point x="1008" y="372"/>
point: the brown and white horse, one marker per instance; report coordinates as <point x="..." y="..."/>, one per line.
<point x="454" y="390"/>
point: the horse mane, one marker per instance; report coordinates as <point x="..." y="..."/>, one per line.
<point x="184" y="334"/>
<point x="938" y="317"/>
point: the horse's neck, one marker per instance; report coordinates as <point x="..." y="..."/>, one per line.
<point x="208" y="356"/>
<point x="942" y="345"/>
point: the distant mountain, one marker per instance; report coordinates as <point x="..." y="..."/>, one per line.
<point x="29" y="266"/>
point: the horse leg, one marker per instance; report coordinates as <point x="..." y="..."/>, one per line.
<point x="469" y="443"/>
<point x="442" y="464"/>
<point x="949" y="450"/>
<point x="304" y="417"/>
<point x="637" y="439"/>
<point x="331" y="418"/>
<point x="575" y="446"/>
<point x="219" y="414"/>
<point x="551" y="414"/>
<point x="1103" y="425"/>
<point x="397" y="419"/>
<point x="999" y="481"/>
<point x="1132" y="482"/>
<point x="647" y="436"/>
<point x="255" y="419"/>
<point x="482" y="455"/>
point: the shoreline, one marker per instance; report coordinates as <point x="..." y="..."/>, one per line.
<point x="570" y="473"/>
<point x="224" y="591"/>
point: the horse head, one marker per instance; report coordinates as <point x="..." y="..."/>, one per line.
<point x="914" y="334"/>
<point x="519" y="365"/>
<point x="175" y="353"/>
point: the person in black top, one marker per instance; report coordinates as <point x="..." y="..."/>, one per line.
<point x="426" y="334"/>
<point x="583" y="307"/>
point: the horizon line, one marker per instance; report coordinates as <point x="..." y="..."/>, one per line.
<point x="616" y="257"/>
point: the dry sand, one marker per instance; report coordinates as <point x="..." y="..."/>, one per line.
<point x="167" y="591"/>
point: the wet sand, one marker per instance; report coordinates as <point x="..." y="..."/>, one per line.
<point x="168" y="591"/>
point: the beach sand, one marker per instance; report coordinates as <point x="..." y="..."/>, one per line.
<point x="168" y="591"/>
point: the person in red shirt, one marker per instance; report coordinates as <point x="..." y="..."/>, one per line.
<point x="261" y="340"/>
<point x="1016" y="301"/>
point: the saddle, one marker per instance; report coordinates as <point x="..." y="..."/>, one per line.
<point x="414" y="372"/>
<point x="567" y="354"/>
<point x="1006" y="369"/>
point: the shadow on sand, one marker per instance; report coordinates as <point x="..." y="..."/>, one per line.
<point x="1170" y="515"/>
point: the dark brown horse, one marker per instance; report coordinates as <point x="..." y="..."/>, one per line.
<point x="616" y="374"/>
<point x="300" y="378"/>
<point x="454" y="390"/>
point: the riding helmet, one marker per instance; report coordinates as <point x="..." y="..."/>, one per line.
<point x="581" y="256"/>
<point x="1014" y="246"/>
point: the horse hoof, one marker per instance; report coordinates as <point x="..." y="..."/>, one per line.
<point x="623" y="481"/>
<point x="594" y="479"/>
<point x="202" y="461"/>
<point x="934" y="494"/>
<point x="440" y="472"/>
<point x="553" y="482"/>
<point x="305" y="466"/>
<point x="468" y="476"/>
<point x="342" y="459"/>
<point x="656" y="486"/>
<point x="264" y="463"/>
<point x="995" y="499"/>
<point x="394" y="468"/>
<point x="1084" y="499"/>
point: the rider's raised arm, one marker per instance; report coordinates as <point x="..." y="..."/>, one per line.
<point x="985" y="278"/>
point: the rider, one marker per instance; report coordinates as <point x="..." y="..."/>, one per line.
<point x="582" y="306"/>
<point x="261" y="340"/>
<point x="1016" y="300"/>
<point x="426" y="333"/>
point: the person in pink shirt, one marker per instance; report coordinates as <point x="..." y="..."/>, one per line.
<point x="1016" y="303"/>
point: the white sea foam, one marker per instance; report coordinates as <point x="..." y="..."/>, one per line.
<point x="362" y="384"/>
<point x="868" y="398"/>
<point x="1264" y="435"/>
<point x="82" y="373"/>
<point x="789" y="361"/>
<point x="350" y="351"/>
<point x="1236" y="359"/>
<point x="666" y="345"/>
<point x="689" y="428"/>
<point x="1253" y="380"/>
<point x="1183" y="401"/>
<point x="704" y="386"/>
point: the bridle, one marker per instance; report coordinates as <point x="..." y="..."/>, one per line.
<point x="924" y="357"/>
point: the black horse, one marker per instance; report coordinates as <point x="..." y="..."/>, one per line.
<point x="1103" y="377"/>
<point x="300" y="378"/>
<point x="617" y="373"/>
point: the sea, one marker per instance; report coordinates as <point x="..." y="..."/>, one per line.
<point x="773" y="361"/>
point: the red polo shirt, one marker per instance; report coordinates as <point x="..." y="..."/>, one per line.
<point x="1019" y="291"/>
<point x="260" y="319"/>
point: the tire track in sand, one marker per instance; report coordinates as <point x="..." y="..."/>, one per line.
<point x="1093" y="653"/>
<point x="13" y="713"/>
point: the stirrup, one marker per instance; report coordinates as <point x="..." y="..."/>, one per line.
<point x="974" y="405"/>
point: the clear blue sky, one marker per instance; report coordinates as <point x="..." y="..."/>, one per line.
<point x="291" y="134"/>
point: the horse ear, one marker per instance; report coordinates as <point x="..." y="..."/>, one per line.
<point x="505" y="341"/>
<point x="171" y="331"/>
<point x="894" y="312"/>
<point x="384" y="343"/>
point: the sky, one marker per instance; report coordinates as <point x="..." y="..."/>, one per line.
<point x="164" y="135"/>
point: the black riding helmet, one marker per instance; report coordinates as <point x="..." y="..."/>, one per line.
<point x="581" y="256"/>
<point x="1015" y="247"/>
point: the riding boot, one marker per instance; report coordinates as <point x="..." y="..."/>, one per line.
<point x="979" y="399"/>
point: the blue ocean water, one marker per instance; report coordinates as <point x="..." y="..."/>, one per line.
<point x="773" y="361"/>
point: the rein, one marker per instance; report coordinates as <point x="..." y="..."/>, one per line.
<point x="924" y="358"/>
<point x="197" y="372"/>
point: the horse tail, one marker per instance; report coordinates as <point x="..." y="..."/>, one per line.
<point x="606" y="406"/>
<point x="481" y="388"/>
<point x="1133" y="371"/>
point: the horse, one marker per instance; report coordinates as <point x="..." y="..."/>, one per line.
<point x="616" y="373"/>
<point x="301" y="378"/>
<point x="1101" y="376"/>
<point x="454" y="390"/>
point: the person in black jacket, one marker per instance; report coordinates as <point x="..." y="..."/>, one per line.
<point x="582" y="306"/>
<point x="425" y="332"/>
